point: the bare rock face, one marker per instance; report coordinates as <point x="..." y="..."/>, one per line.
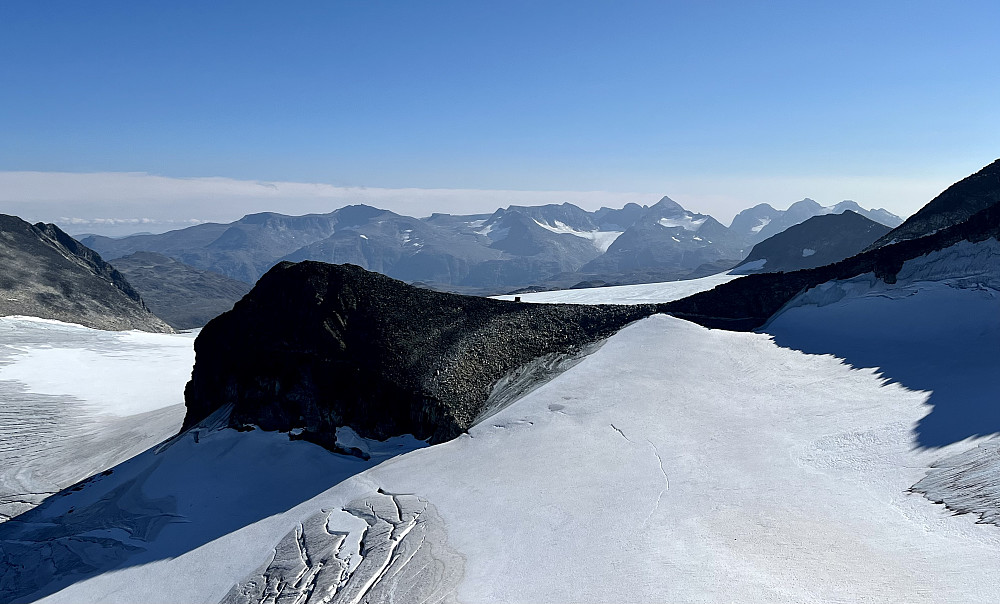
<point x="957" y="203"/>
<point x="316" y="346"/>
<point x="48" y="274"/>
<point x="819" y="241"/>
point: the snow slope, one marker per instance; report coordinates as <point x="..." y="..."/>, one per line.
<point x="674" y="464"/>
<point x="75" y="401"/>
<point x="602" y="240"/>
<point x="644" y="293"/>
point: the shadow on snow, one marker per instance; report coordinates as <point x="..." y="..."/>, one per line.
<point x="163" y="503"/>
<point x="940" y="339"/>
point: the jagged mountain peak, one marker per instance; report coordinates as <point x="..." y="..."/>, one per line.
<point x="667" y="205"/>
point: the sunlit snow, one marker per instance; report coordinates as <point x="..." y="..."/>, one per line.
<point x="602" y="240"/>
<point x="675" y="463"/>
<point x="688" y="223"/>
<point x="644" y="293"/>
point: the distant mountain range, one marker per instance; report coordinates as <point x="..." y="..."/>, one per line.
<point x="762" y="221"/>
<point x="967" y="212"/>
<point x="188" y="276"/>
<point x="548" y="246"/>
<point x="821" y="240"/>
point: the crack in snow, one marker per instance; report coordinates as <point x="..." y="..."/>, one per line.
<point x="615" y="428"/>
<point x="666" y="483"/>
<point x="402" y="536"/>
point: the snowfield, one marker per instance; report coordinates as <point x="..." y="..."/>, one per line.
<point x="75" y="401"/>
<point x="673" y="464"/>
<point x="602" y="240"/>
<point x="644" y="293"/>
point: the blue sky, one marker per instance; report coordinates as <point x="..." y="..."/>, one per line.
<point x="719" y="104"/>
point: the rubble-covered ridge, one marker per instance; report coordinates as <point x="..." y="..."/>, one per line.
<point x="315" y="346"/>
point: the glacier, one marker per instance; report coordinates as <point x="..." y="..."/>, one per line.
<point x="673" y="463"/>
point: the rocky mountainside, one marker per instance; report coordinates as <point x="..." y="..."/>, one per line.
<point x="181" y="295"/>
<point x="511" y="247"/>
<point x="48" y="274"/>
<point x="748" y="302"/>
<point x="957" y="203"/>
<point x="518" y="246"/>
<point x="668" y="237"/>
<point x="317" y="346"/>
<point x="763" y="221"/>
<point x="821" y="240"/>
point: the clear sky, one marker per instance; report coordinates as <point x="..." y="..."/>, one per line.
<point x="720" y="105"/>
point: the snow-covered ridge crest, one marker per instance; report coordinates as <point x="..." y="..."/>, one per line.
<point x="964" y="265"/>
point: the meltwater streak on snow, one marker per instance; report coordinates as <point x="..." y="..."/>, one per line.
<point x="75" y="401"/>
<point x="645" y="293"/>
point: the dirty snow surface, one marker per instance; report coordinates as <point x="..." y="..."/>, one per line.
<point x="673" y="464"/>
<point x="644" y="293"/>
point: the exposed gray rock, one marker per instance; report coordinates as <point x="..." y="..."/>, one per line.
<point x="48" y="274"/>
<point x="668" y="238"/>
<point x="957" y="203"/>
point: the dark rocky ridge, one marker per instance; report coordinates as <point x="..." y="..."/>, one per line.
<point x="747" y="303"/>
<point x="48" y="274"/>
<point x="958" y="202"/>
<point x="317" y="346"/>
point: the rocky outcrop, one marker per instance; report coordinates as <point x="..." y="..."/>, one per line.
<point x="316" y="346"/>
<point x="183" y="296"/>
<point x="747" y="303"/>
<point x="48" y="274"/>
<point x="957" y="203"/>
